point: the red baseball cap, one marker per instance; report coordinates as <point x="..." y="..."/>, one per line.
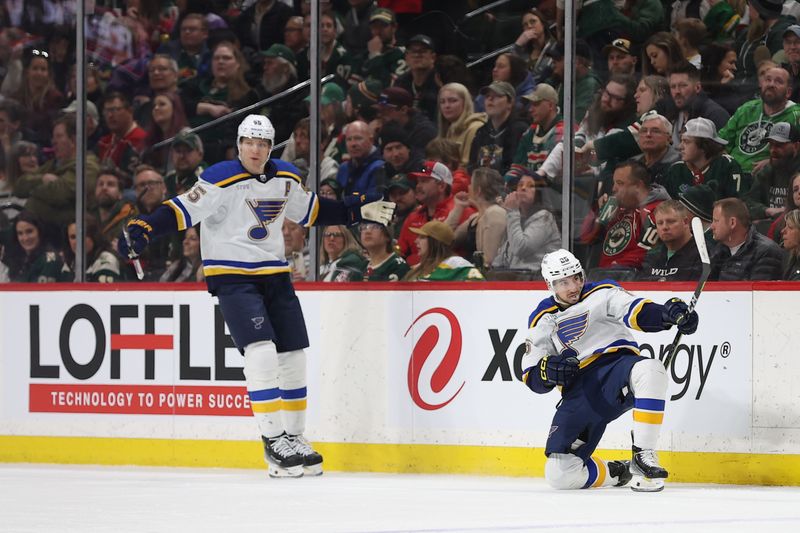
<point x="435" y="170"/>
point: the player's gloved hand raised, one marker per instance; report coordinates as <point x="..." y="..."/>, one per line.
<point x="558" y="369"/>
<point x="380" y="212"/>
<point x="139" y="232"/>
<point x="677" y="312"/>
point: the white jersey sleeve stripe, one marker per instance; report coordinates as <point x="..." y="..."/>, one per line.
<point x="311" y="214"/>
<point x="182" y="216"/>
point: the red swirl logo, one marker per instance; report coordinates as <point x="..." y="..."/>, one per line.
<point x="421" y="380"/>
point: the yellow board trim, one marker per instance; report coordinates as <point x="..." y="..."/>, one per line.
<point x="646" y="417"/>
<point x="684" y="467"/>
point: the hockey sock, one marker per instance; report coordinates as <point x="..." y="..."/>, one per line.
<point x="292" y="379"/>
<point x="598" y="475"/>
<point x="261" y="375"/>
<point x="649" y="385"/>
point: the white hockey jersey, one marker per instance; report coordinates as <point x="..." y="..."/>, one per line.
<point x="243" y="215"/>
<point x="598" y="324"/>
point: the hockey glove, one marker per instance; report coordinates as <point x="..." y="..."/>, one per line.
<point x="139" y="232"/>
<point x="677" y="312"/>
<point x="380" y="212"/>
<point x="558" y="369"/>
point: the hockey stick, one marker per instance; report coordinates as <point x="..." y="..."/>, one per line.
<point x="700" y="242"/>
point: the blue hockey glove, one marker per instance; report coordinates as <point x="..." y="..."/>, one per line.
<point x="677" y="312"/>
<point x="558" y="369"/>
<point x="139" y="232"/>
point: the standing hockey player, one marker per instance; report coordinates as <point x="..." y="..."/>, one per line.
<point x="579" y="341"/>
<point x="242" y="204"/>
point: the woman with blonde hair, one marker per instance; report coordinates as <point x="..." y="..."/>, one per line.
<point x="437" y="261"/>
<point x="341" y="258"/>
<point x="791" y="243"/>
<point x="458" y="121"/>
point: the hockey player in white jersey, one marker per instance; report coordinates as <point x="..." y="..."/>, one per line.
<point x="242" y="205"/>
<point x="580" y="341"/>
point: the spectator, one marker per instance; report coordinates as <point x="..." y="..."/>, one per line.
<point x="395" y="106"/>
<point x="766" y="198"/>
<point x="495" y="142"/>
<point x="295" y="241"/>
<point x="356" y="25"/>
<point x="401" y="192"/>
<point x="28" y="257"/>
<point x="103" y="263"/>
<point x="162" y="76"/>
<point x="658" y="154"/>
<point x="767" y="27"/>
<point x="334" y="57"/>
<point x="721" y="19"/>
<point x="699" y="202"/>
<point x="112" y="210"/>
<point x="718" y="76"/>
<point x="92" y="125"/>
<point x="341" y="258"/>
<point x="546" y="130"/>
<point x="38" y="95"/>
<point x="691" y="102"/>
<point x="123" y="145"/>
<point x="456" y="119"/>
<point x="480" y="235"/>
<point x="747" y="130"/>
<point x="261" y="25"/>
<point x="420" y="80"/>
<point x="651" y="91"/>
<point x="792" y="202"/>
<point x="169" y="119"/>
<point x="452" y="69"/>
<point x="690" y="34"/>
<point x="619" y="58"/>
<point x="533" y="44"/>
<point x="531" y="229"/>
<point x="791" y="243"/>
<point x="437" y="261"/>
<point x="434" y="184"/>
<point x="187" y="163"/>
<point x="384" y="60"/>
<point x="329" y="188"/>
<point x="660" y="54"/>
<point x="293" y="36"/>
<point x="446" y="152"/>
<point x="190" y="51"/>
<point x="50" y="191"/>
<point x="791" y="53"/>
<point x="23" y="159"/>
<point x="397" y="152"/>
<point x="639" y="19"/>
<point x="384" y="264"/>
<point x="332" y="121"/>
<point x="586" y="81"/>
<point x="361" y="100"/>
<point x="187" y="267"/>
<point x="11" y="119"/>
<point x="627" y="231"/>
<point x="151" y="192"/>
<point x="676" y="257"/>
<point x="206" y="98"/>
<point x="704" y="161"/>
<point x="280" y="73"/>
<point x="741" y="252"/>
<point x="511" y="69"/>
<point x="363" y="175"/>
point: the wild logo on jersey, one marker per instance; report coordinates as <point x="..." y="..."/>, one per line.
<point x="753" y="137"/>
<point x="571" y="329"/>
<point x="265" y="211"/>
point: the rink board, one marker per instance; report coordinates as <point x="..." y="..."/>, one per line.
<point x="400" y="380"/>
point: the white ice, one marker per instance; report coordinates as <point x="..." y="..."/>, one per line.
<point x="85" y="499"/>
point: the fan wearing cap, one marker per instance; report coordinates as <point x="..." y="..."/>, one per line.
<point x="280" y="73"/>
<point x="361" y="100"/>
<point x="767" y="197"/>
<point x="587" y="83"/>
<point x="546" y="130"/>
<point x="397" y="151"/>
<point x="433" y="185"/>
<point x="703" y="160"/>
<point x="187" y="163"/>
<point x="384" y="60"/>
<point x="420" y="80"/>
<point x="401" y="191"/>
<point x="495" y="142"/>
<point x="791" y="58"/>
<point x="93" y="130"/>
<point x="396" y="108"/>
<point x="619" y="58"/>
<point x="437" y="260"/>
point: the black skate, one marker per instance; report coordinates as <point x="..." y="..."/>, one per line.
<point x="621" y="471"/>
<point x="648" y="475"/>
<point x="312" y="461"/>
<point x="281" y="457"/>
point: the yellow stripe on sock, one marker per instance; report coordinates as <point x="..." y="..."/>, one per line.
<point x="293" y="405"/>
<point x="266" y="407"/>
<point x="601" y="472"/>
<point x="646" y="417"/>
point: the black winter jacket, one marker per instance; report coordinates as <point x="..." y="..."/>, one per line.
<point x="759" y="258"/>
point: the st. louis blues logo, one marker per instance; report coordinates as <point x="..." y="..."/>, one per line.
<point x="265" y="211"/>
<point x="572" y="329"/>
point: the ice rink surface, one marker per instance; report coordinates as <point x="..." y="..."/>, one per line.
<point x="86" y="499"/>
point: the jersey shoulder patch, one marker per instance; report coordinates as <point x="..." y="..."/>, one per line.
<point x="545" y="307"/>
<point x="225" y="173"/>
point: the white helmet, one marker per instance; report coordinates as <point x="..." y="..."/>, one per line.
<point x="558" y="265"/>
<point x="255" y="127"/>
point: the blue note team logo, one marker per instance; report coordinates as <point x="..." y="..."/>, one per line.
<point x="571" y="329"/>
<point x="266" y="212"/>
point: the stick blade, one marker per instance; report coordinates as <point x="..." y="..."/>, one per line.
<point x="700" y="240"/>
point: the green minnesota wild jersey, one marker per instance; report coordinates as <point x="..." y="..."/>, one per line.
<point x="454" y="269"/>
<point x="393" y="268"/>
<point x="747" y="130"/>
<point x="723" y="170"/>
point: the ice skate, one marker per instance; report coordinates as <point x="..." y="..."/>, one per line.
<point x="281" y="457"/>
<point x="648" y="475"/>
<point x="621" y="471"/>
<point x="312" y="461"/>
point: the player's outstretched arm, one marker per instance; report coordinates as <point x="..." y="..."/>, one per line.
<point x="143" y="228"/>
<point x="332" y="212"/>
<point x="657" y="317"/>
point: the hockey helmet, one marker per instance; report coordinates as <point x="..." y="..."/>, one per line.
<point x="256" y="127"/>
<point x="558" y="265"/>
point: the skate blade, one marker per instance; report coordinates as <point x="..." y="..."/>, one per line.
<point x="278" y="472"/>
<point x="313" y="470"/>
<point x="644" y="484"/>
